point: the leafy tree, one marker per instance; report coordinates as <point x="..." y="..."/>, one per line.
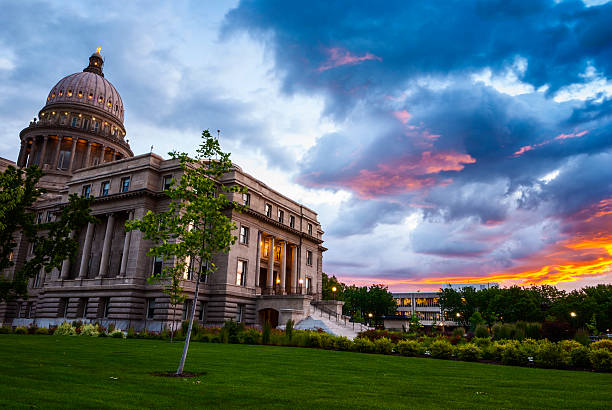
<point x="195" y="227"/>
<point x="51" y="241"/>
<point x="328" y="283"/>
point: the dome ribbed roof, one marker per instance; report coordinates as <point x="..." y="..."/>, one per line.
<point x="90" y="90"/>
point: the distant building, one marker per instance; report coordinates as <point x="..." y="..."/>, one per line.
<point x="476" y="286"/>
<point x="424" y="305"/>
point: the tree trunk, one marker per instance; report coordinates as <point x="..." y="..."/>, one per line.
<point x="191" y="316"/>
<point x="172" y="323"/>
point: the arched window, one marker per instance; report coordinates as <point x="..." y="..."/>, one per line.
<point x="80" y="94"/>
<point x="110" y="103"/>
<point x="61" y="92"/>
<point x="100" y="99"/>
<point x="69" y="93"/>
<point x="90" y="96"/>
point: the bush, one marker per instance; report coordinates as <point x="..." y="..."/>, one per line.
<point x="251" y="337"/>
<point x="512" y="354"/>
<point x="326" y="340"/>
<point x="409" y="348"/>
<point x="533" y="330"/>
<point x="289" y="329"/>
<point x="551" y="355"/>
<point x="117" y="334"/>
<point x="579" y="357"/>
<point x="41" y="331"/>
<point x="602" y="344"/>
<point x="384" y="345"/>
<point x="131" y="333"/>
<point x="582" y="337"/>
<point x="458" y="331"/>
<point x="556" y="330"/>
<point x="441" y="349"/>
<point x="503" y="331"/>
<point x="601" y="359"/>
<point x="481" y="331"/>
<point x="343" y="343"/>
<point x="363" y="345"/>
<point x="313" y="339"/>
<point x="230" y="331"/>
<point x="265" y="334"/>
<point x="482" y="342"/>
<point x="493" y="351"/>
<point x="21" y="330"/>
<point x="5" y="330"/>
<point x="89" y="330"/>
<point x="65" y="329"/>
<point x="569" y="345"/>
<point x="469" y="352"/>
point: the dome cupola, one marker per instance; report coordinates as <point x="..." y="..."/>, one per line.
<point x="95" y="63"/>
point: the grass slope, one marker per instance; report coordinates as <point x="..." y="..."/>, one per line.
<point x="48" y="371"/>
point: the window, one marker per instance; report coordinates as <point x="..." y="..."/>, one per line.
<point x="244" y="235"/>
<point x="125" y="184"/>
<point x="310" y="229"/>
<point x="87" y="190"/>
<point x="61" y="93"/>
<point x="308" y="285"/>
<point x="281" y="215"/>
<point x="277" y="252"/>
<point x="150" y="308"/>
<point x="241" y="272"/>
<point x="269" y="210"/>
<point x="158" y="263"/>
<point x="96" y="126"/>
<point x="62" y="119"/>
<point x="109" y="103"/>
<point x="86" y="124"/>
<point x="103" y="307"/>
<point x="49" y="216"/>
<point x="62" y="310"/>
<point x="167" y="182"/>
<point x="202" y="314"/>
<point x="100" y="99"/>
<point x="246" y="199"/>
<point x="69" y="93"/>
<point x="28" y="310"/>
<point x="37" y="280"/>
<point x="64" y="160"/>
<point x="80" y="94"/>
<point x="39" y="217"/>
<point x="82" y="312"/>
<point x="309" y="258"/>
<point x="240" y="314"/>
<point x="74" y="121"/>
<point x="104" y="188"/>
<point x="292" y="221"/>
<point x="187" y="308"/>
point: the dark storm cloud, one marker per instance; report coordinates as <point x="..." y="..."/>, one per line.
<point x="363" y="216"/>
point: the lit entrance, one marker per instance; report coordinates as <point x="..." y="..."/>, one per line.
<point x="268" y="316"/>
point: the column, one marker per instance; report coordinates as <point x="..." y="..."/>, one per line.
<point x="87" y="153"/>
<point x="101" y="161"/>
<point x="126" y="248"/>
<point x="22" y="153"/>
<point x="294" y="269"/>
<point x="32" y="156"/>
<point x="270" y="281"/>
<point x="283" y="268"/>
<point x="43" y="152"/>
<point x="72" y="153"/>
<point x="86" y="250"/>
<point x="113" y="154"/>
<point x="57" y="152"/>
<point x="110" y="224"/>
<point x="258" y="259"/>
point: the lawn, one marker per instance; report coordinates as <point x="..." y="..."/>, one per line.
<point x="52" y="371"/>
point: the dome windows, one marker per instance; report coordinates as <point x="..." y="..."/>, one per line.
<point x="69" y="93"/>
<point x="52" y="95"/>
<point x="90" y="96"/>
<point x="61" y="92"/>
<point x="100" y="99"/>
<point x="109" y="103"/>
<point x="80" y="94"/>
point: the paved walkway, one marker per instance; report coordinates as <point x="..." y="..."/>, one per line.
<point x="320" y="320"/>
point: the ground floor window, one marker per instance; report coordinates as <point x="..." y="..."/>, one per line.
<point x="240" y="314"/>
<point x="241" y="272"/>
<point x="202" y="314"/>
<point x="187" y="308"/>
<point x="150" y="308"/>
<point x="103" y="307"/>
<point x="62" y="310"/>
<point x="82" y="312"/>
<point x="308" y="285"/>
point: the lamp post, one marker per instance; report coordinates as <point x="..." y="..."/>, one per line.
<point x="334" y="289"/>
<point x="301" y="281"/>
<point x="370" y="317"/>
<point x="573" y="315"/>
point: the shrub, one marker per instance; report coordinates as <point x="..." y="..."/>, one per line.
<point x="533" y="330"/>
<point x="529" y="347"/>
<point x="482" y="342"/>
<point x="383" y="345"/>
<point x="582" y="337"/>
<point x="579" y="357"/>
<point x="512" y="354"/>
<point x="117" y="334"/>
<point x="601" y="359"/>
<point x="343" y="343"/>
<point x="602" y="344"/>
<point x="5" y="330"/>
<point x="481" y="331"/>
<point x="77" y="325"/>
<point x="21" y="330"/>
<point x="363" y="345"/>
<point x="65" y="329"/>
<point x="265" y="334"/>
<point x="89" y="330"/>
<point x="441" y="349"/>
<point x="469" y="352"/>
<point x="503" y="331"/>
<point x="556" y="330"/>
<point x="32" y="329"/>
<point x="41" y="331"/>
<point x="326" y="340"/>
<point x="289" y="329"/>
<point x="409" y="348"/>
<point x="230" y="331"/>
<point x="314" y="339"/>
<point x="251" y="337"/>
<point x="131" y="333"/>
<point x="569" y="345"/>
<point x="551" y="355"/>
<point x="493" y="351"/>
<point x="458" y="331"/>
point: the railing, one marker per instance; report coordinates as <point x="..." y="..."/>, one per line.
<point x="340" y="318"/>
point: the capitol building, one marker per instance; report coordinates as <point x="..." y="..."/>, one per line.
<point x="271" y="274"/>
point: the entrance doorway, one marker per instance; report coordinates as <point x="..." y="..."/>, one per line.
<point x="268" y="316"/>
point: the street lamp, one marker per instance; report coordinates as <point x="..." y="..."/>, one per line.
<point x="301" y="281"/>
<point x="573" y="314"/>
<point x="370" y="316"/>
<point x="334" y="289"/>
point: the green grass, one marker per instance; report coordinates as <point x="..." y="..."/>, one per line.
<point x="51" y="371"/>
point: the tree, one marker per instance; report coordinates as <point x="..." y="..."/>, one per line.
<point x="328" y="282"/>
<point x="195" y="227"/>
<point x="51" y="241"/>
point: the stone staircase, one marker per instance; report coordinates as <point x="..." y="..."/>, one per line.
<point x="331" y="322"/>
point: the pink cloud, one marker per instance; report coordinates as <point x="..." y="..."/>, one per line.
<point x="559" y="137"/>
<point x="403" y="116"/>
<point x="572" y="135"/>
<point x="340" y="56"/>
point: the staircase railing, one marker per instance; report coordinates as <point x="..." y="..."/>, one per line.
<point x="340" y="318"/>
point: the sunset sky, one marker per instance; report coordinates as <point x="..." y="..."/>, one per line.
<point x="439" y="142"/>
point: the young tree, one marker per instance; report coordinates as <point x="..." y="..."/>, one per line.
<point x="195" y="226"/>
<point x="51" y="241"/>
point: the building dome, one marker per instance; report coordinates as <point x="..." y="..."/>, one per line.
<point x="89" y="89"/>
